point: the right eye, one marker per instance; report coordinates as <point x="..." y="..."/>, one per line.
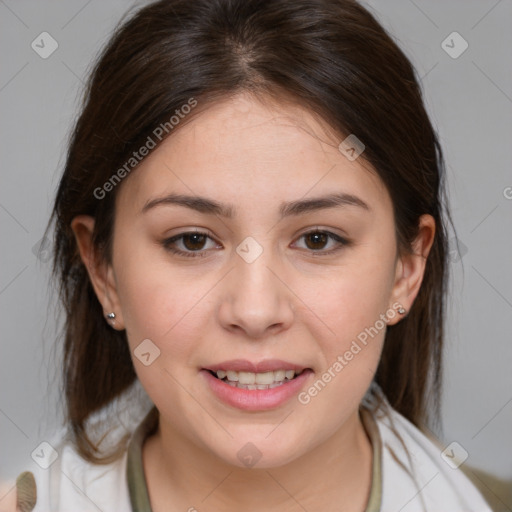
<point x="191" y="241"/>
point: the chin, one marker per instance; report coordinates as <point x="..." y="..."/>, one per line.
<point x="258" y="452"/>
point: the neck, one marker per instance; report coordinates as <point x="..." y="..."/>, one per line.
<point x="335" y="475"/>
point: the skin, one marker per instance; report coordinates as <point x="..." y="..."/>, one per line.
<point x="288" y="304"/>
<point x="8" y="496"/>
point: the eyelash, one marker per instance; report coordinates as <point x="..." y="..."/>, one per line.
<point x="167" y="243"/>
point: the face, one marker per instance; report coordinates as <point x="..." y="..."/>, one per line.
<point x="272" y="288"/>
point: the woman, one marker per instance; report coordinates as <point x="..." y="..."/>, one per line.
<point x="251" y="226"/>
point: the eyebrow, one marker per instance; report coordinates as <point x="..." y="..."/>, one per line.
<point x="292" y="208"/>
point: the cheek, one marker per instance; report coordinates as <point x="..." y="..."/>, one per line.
<point x="155" y="299"/>
<point x="353" y="300"/>
<point x="350" y="298"/>
<point x="161" y="305"/>
<point x="171" y="306"/>
<point x="351" y="335"/>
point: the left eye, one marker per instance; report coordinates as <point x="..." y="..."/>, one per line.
<point x="321" y="238"/>
<point x="193" y="243"/>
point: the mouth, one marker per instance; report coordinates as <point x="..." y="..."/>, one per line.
<point x="252" y="380"/>
<point x="256" y="386"/>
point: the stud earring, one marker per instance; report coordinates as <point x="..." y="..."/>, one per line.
<point x="111" y="317"/>
<point x="401" y="310"/>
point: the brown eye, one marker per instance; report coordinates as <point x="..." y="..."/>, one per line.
<point x="190" y="244"/>
<point x="194" y="241"/>
<point x="318" y="240"/>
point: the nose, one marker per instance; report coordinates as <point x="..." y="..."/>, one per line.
<point x="256" y="299"/>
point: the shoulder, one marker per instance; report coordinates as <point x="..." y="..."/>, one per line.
<point x="64" y="481"/>
<point x="416" y="475"/>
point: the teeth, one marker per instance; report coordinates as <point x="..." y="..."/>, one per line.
<point x="246" y="377"/>
<point x="250" y="380"/>
<point x="233" y="376"/>
<point x="265" y="378"/>
<point x="280" y="375"/>
<point x="253" y="386"/>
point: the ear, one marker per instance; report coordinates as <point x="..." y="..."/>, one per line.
<point x="100" y="272"/>
<point x="410" y="267"/>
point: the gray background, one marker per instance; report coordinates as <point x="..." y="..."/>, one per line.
<point x="470" y="102"/>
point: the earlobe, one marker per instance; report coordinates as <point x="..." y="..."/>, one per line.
<point x="410" y="267"/>
<point x="99" y="271"/>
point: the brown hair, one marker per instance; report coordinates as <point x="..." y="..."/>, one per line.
<point x="331" y="56"/>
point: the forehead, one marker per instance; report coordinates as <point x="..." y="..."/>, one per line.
<point x="248" y="153"/>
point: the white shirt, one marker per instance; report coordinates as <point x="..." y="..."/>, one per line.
<point x="426" y="482"/>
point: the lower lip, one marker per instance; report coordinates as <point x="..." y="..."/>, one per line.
<point x="256" y="399"/>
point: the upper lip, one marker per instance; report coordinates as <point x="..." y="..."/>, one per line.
<point x="267" y="365"/>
